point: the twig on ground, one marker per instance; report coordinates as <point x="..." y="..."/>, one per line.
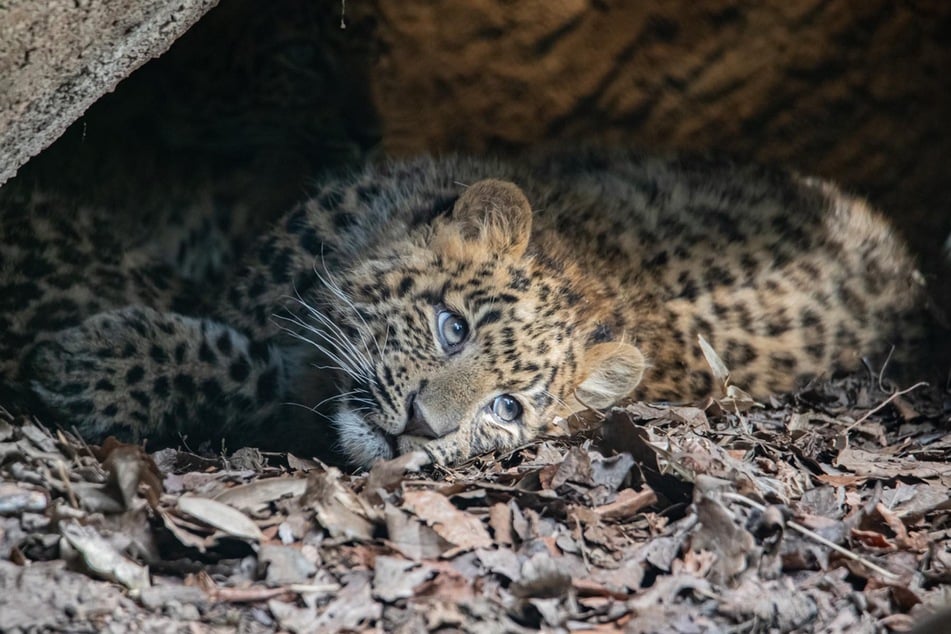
<point x="61" y="466"/>
<point x="85" y="446"/>
<point x="254" y="594"/>
<point x="881" y="405"/>
<point x="582" y="545"/>
<point x="881" y="373"/>
<point x="888" y="575"/>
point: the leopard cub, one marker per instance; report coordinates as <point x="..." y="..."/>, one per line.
<point x="457" y="305"/>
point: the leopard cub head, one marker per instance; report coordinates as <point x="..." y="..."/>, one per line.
<point x="462" y="336"/>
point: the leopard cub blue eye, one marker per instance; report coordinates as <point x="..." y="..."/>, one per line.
<point x="453" y="330"/>
<point x="506" y="408"/>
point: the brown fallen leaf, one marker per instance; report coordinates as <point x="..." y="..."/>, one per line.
<point x="229" y="520"/>
<point x="500" y="521"/>
<point x="352" y="608"/>
<point x="721" y="532"/>
<point x="576" y="467"/>
<point x="16" y="498"/>
<point x="884" y="465"/>
<point x="720" y="372"/>
<point x="255" y="496"/>
<point x="542" y="577"/>
<point x="914" y="541"/>
<point x="841" y="480"/>
<point x="395" y="578"/>
<point x="191" y="534"/>
<point x="873" y="539"/>
<point x="102" y="559"/>
<point x="302" y="464"/>
<point x="411" y="536"/>
<point x="285" y="565"/>
<point x="628" y="503"/>
<point x="733" y="399"/>
<point x="130" y="469"/>
<point x="592" y="588"/>
<point x="386" y="475"/>
<point x="338" y="509"/>
<point x="777" y="602"/>
<point x="447" y="585"/>
<point x="299" y="620"/>
<point x="626" y="578"/>
<point x="459" y="528"/>
<point x="503" y="561"/>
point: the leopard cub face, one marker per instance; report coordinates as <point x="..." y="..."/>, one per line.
<point x="455" y="340"/>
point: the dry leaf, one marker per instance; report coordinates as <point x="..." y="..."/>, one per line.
<point x="627" y="504"/>
<point x="102" y="559"/>
<point x="412" y="537"/>
<point x="338" y="509"/>
<point x="886" y="466"/>
<point x="395" y="578"/>
<point x="457" y="527"/>
<point x="229" y="520"/>
<point x="254" y="497"/>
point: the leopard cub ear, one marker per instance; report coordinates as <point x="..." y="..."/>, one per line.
<point x="496" y="214"/>
<point x="610" y="372"/>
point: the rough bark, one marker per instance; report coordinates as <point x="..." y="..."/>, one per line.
<point x="854" y="90"/>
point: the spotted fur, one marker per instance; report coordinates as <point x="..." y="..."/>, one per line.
<point x="581" y="279"/>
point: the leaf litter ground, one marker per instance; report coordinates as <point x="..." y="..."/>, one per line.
<point x="825" y="511"/>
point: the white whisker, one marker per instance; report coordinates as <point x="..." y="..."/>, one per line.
<point x="338" y="349"/>
<point x="338" y="397"/>
<point x="334" y="288"/>
<point x="556" y="399"/>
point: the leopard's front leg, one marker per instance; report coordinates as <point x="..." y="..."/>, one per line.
<point x="138" y="373"/>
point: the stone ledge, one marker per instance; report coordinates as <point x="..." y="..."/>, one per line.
<point x="57" y="58"/>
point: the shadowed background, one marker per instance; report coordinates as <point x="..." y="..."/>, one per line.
<point x="255" y="101"/>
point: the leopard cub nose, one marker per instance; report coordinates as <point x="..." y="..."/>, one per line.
<point x="416" y="423"/>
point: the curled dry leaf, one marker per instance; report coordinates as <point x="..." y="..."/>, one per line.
<point x="102" y="559"/>
<point x="16" y="498"/>
<point x="734" y="399"/>
<point x="885" y="465"/>
<point x="387" y="474"/>
<point x="412" y="537"/>
<point x="189" y="534"/>
<point x="229" y="520"/>
<point x="610" y="472"/>
<point x="255" y="496"/>
<point x="129" y="470"/>
<point x="542" y="577"/>
<point x="628" y="503"/>
<point x="721" y="532"/>
<point x="457" y="527"/>
<point x="575" y="467"/>
<point x="338" y="508"/>
<point x="720" y="372"/>
<point x="395" y="578"/>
